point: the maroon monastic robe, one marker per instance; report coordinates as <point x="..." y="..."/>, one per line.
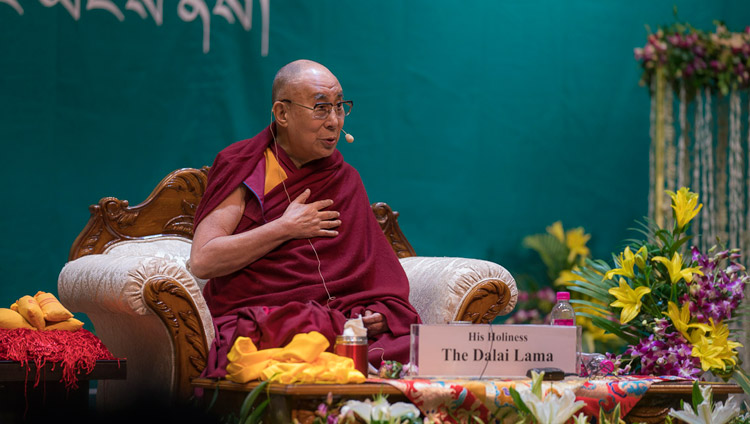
<point x="282" y="294"/>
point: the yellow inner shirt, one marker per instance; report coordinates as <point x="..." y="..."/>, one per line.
<point x="275" y="173"/>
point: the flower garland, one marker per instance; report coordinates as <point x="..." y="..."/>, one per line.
<point x="719" y="60"/>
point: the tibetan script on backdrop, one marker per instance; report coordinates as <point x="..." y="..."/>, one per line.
<point x="233" y="11"/>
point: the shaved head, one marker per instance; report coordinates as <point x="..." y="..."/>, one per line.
<point x="297" y="90"/>
<point x="293" y="73"/>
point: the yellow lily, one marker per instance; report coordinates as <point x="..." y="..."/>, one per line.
<point x="628" y="299"/>
<point x="708" y="354"/>
<point x="685" y="206"/>
<point x="567" y="277"/>
<point x="681" y="320"/>
<point x="576" y="241"/>
<point x="626" y="262"/>
<point x="674" y="267"/>
<point x="556" y="229"/>
<point x="640" y="257"/>
<point x="719" y="337"/>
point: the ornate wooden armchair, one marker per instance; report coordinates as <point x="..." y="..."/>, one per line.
<point x="128" y="273"/>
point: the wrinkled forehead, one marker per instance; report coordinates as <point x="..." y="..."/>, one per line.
<point x="319" y="86"/>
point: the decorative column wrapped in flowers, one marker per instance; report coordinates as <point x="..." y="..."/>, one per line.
<point x="700" y="130"/>
<point x="670" y="303"/>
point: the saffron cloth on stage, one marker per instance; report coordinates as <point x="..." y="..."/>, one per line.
<point x="282" y="294"/>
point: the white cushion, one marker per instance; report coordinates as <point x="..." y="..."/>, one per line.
<point x="438" y="285"/>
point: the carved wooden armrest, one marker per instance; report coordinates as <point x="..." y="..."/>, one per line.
<point x="145" y="308"/>
<point x="176" y="309"/>
<point x="459" y="289"/>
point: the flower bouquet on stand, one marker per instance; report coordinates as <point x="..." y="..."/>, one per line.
<point x="669" y="302"/>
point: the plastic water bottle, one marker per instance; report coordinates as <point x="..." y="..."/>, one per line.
<point x="595" y="365"/>
<point x="562" y="313"/>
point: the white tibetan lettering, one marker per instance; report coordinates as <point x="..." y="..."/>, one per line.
<point x="73" y="7"/>
<point x="198" y="7"/>
<point x="106" y="5"/>
<point x="245" y="16"/>
<point x="156" y="10"/>
<point x="14" y="4"/>
<point x="265" y="13"/>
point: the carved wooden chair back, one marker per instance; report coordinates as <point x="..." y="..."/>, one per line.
<point x="169" y="210"/>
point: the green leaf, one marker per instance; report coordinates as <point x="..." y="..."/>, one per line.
<point x="536" y="383"/>
<point x="610" y="327"/>
<point x="247" y="404"/>
<point x="595" y="283"/>
<point x="664" y="236"/>
<point x="257" y="413"/>
<point x="593" y="306"/>
<point x="213" y="398"/>
<point x="496" y="417"/>
<point x="518" y="401"/>
<point x="616" y="414"/>
<point x="554" y="254"/>
<point x="676" y="246"/>
<point x="591" y="290"/>
<point x="740" y="376"/>
<point x="697" y="396"/>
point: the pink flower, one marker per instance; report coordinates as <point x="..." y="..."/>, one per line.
<point x="648" y="52"/>
<point x="668" y="356"/>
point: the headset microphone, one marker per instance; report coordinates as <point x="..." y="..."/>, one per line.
<point x="349" y="138"/>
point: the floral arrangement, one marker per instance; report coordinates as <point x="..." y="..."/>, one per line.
<point x="670" y="304"/>
<point x="562" y="252"/>
<point x="704" y="411"/>
<point x="536" y="407"/>
<point x="720" y="59"/>
<point x="375" y="411"/>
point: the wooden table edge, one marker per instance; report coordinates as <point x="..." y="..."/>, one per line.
<point x="379" y="387"/>
<point x="366" y="388"/>
<point x="104" y="369"/>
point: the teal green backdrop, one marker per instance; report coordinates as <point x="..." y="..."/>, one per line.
<point x="480" y="121"/>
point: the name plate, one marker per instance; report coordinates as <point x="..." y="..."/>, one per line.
<point x="483" y="350"/>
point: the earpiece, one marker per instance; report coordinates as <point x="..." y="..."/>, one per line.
<point x="349" y="138"/>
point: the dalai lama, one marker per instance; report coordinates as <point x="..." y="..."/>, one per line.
<point x="286" y="236"/>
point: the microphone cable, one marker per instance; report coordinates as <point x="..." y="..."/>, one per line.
<point x="289" y="199"/>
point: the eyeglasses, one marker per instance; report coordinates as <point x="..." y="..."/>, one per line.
<point x="322" y="110"/>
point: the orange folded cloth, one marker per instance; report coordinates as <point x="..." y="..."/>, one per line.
<point x="303" y="360"/>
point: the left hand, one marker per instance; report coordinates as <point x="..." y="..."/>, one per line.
<point x="375" y="323"/>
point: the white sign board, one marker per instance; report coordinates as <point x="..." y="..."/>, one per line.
<point x="483" y="350"/>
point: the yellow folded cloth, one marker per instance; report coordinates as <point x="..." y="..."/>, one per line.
<point x="29" y="309"/>
<point x="304" y="347"/>
<point x="70" y="324"/>
<point x="53" y="310"/>
<point x="10" y="319"/>
<point x="40" y="312"/>
<point x="303" y="360"/>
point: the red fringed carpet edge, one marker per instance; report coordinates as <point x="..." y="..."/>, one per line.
<point x="74" y="351"/>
